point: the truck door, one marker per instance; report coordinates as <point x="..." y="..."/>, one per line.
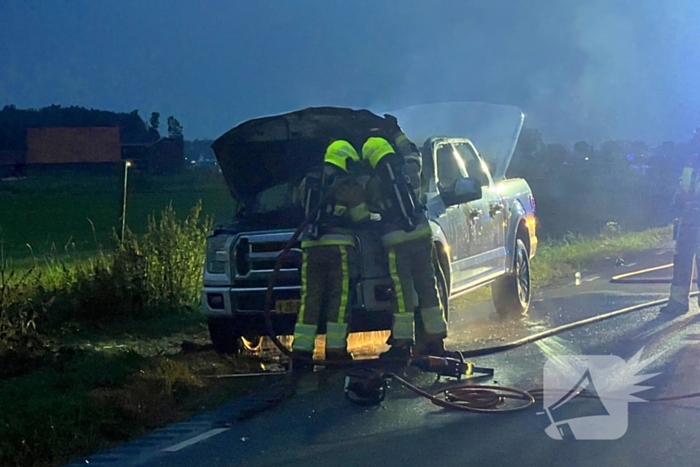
<point x="456" y="225"/>
<point x="488" y="239"/>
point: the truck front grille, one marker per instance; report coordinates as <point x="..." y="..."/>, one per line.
<point x="255" y="257"/>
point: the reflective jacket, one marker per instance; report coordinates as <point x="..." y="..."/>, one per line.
<point x="381" y="200"/>
<point x="345" y="208"/>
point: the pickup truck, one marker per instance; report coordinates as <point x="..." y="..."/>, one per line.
<point x="484" y="226"/>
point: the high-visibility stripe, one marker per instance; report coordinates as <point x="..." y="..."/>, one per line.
<point x="394" y="273"/>
<point x="345" y="283"/>
<point x="330" y="240"/>
<point x="401" y="236"/>
<point x="304" y="280"/>
<point x="303" y="329"/>
<point x="434" y="321"/>
<point x="401" y="139"/>
<point x="304" y="337"/>
<point x="359" y="212"/>
<point x="336" y="336"/>
<point x="402" y="328"/>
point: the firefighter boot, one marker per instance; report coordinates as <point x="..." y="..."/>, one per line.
<point x="673" y="308"/>
<point x="435" y="348"/>
<point x="302" y="360"/>
<point x="400" y="351"/>
<point x="338" y="355"/>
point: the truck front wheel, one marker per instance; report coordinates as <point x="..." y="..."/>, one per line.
<point x="511" y="294"/>
<point x="224" y="336"/>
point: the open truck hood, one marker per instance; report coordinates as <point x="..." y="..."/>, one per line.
<point x="264" y="152"/>
<point x="493" y="128"/>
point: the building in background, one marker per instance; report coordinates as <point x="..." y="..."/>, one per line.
<point x="163" y="157"/>
<point x="91" y="149"/>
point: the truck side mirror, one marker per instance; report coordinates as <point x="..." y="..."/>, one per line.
<point x="463" y="191"/>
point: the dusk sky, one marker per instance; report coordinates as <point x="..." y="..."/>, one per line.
<point x="580" y="69"/>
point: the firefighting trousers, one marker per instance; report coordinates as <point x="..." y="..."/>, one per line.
<point x="684" y="258"/>
<point x="413" y="274"/>
<point x="326" y="276"/>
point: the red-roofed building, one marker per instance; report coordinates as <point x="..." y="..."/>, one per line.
<point x="71" y="148"/>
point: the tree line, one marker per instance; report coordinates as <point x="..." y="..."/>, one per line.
<point x="582" y="189"/>
<point x="14" y="123"/>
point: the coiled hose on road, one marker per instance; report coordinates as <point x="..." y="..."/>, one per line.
<point x="465" y="396"/>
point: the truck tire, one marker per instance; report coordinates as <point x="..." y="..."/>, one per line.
<point x="224" y="336"/>
<point x="511" y="294"/>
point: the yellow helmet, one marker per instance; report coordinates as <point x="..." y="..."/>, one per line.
<point x="339" y="152"/>
<point x="374" y="149"/>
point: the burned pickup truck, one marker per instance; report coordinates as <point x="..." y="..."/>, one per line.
<point x="483" y="224"/>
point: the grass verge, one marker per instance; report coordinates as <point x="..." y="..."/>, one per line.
<point x="85" y="400"/>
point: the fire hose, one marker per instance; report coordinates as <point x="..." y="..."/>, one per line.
<point x="371" y="384"/>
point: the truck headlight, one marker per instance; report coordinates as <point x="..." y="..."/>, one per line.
<point x="216" y="254"/>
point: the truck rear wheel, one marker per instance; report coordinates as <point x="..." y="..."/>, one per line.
<point x="224" y="336"/>
<point x="511" y="294"/>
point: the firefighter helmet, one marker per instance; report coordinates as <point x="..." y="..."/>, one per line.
<point x="374" y="149"/>
<point x="338" y="154"/>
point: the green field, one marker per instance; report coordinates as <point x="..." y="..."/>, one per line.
<point x="77" y="214"/>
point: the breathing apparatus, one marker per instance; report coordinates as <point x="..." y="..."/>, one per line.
<point x="389" y="167"/>
<point x="340" y="156"/>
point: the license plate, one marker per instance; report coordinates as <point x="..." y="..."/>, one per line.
<point x="287" y="306"/>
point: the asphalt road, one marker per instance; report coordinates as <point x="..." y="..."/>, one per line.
<point x="319" y="427"/>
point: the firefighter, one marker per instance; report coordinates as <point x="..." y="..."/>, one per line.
<point x="407" y="239"/>
<point x="411" y="156"/>
<point x="329" y="252"/>
<point x="687" y="200"/>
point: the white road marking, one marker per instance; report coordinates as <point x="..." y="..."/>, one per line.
<point x="592" y="278"/>
<point x="196" y="439"/>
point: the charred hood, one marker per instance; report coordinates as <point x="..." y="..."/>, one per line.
<point x="264" y="152"/>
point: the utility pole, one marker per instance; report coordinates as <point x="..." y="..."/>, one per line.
<point x="127" y="164"/>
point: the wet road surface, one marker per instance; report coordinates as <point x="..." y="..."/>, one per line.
<point x="319" y="427"/>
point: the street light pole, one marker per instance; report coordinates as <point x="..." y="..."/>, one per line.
<point x="127" y="164"/>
